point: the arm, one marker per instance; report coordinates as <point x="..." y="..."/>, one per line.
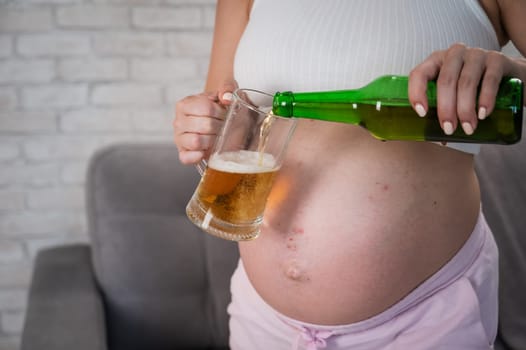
<point x="230" y="22"/>
<point x="513" y="13"/>
<point x="460" y="70"/>
<point x="198" y="118"/>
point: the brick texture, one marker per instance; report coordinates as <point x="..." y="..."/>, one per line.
<point x="8" y="98"/>
<point x="77" y="75"/>
<point x="93" y="16"/>
<point x="14" y="19"/>
<point x="6" y="46"/>
<point x="26" y="71"/>
<point x="53" y="45"/>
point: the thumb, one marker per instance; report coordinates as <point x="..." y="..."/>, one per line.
<point x="225" y="92"/>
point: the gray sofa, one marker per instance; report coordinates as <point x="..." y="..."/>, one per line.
<point x="151" y="280"/>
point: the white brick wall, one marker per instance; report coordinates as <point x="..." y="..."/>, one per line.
<point x="19" y="70"/>
<point x="76" y="75"/>
<point x="100" y="69"/>
<point x="94" y="16"/>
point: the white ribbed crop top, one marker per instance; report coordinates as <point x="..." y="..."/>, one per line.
<point x="316" y="45"/>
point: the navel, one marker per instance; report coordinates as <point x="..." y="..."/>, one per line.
<point x="294" y="272"/>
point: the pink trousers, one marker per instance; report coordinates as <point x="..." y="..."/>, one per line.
<point x="456" y="308"/>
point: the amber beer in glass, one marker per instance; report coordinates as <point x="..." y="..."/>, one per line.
<point x="230" y="199"/>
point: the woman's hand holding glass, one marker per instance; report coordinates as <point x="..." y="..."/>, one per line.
<point x="198" y="120"/>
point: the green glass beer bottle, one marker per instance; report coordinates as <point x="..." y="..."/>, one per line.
<point x="383" y="108"/>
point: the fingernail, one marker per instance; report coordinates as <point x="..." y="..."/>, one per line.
<point x="227" y="96"/>
<point x="468" y="129"/>
<point x="448" y="128"/>
<point x="482" y="113"/>
<point x="420" y="110"/>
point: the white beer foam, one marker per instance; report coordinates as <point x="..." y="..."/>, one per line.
<point x="247" y="162"/>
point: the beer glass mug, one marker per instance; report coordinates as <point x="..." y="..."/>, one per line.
<point x="238" y="176"/>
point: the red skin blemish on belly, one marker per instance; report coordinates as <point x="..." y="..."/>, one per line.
<point x="291" y="244"/>
<point x="385" y="187"/>
<point x="298" y="230"/>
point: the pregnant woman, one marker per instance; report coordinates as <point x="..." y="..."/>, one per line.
<point x="364" y="244"/>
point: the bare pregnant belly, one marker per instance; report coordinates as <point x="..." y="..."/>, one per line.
<point x="354" y="224"/>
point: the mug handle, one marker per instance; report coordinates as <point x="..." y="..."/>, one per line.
<point x="201" y="166"/>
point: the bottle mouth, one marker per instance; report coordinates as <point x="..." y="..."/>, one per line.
<point x="282" y="104"/>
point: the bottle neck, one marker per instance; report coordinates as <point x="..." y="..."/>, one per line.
<point x="341" y="105"/>
<point x="283" y="104"/>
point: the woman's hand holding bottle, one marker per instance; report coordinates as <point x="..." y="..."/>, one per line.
<point x="459" y="72"/>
